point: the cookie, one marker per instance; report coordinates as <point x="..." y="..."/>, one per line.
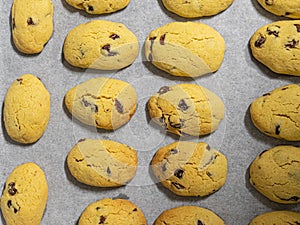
<point x="195" y="8"/>
<point x="186" y="109"/>
<point x="275" y="174"/>
<point x="188" y="215"/>
<point x="102" y="102"/>
<point x="32" y="24"/>
<point x="25" y="195"/>
<point x="102" y="163"/>
<point x="112" y="211"/>
<point x="282" y="7"/>
<point x="188" y="49"/>
<point x="189" y="168"/>
<point x="102" y="45"/>
<point x="277" y="114"/>
<point x="99" y="6"/>
<point x="26" y="109"/>
<point x="277" y="218"/>
<point x="276" y="46"/>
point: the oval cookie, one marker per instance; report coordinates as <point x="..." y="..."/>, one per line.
<point x="26" y="109"/>
<point x="277" y="218"/>
<point x="277" y="114"/>
<point x="188" y="215"/>
<point x="190" y="169"/>
<point x="102" y="102"/>
<point x="275" y="174"/>
<point x="101" y="44"/>
<point x="195" y="8"/>
<point x="276" y="45"/>
<point x="282" y="7"/>
<point x="102" y="163"/>
<point x="32" y="24"/>
<point x="111" y="212"/>
<point x="186" y="109"/>
<point x="99" y="6"/>
<point x="188" y="49"/>
<point x="25" y="195"/>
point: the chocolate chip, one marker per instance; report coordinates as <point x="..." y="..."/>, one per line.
<point x="15" y="210"/>
<point x="97" y="208"/>
<point x="106" y="47"/>
<point x="114" y="36"/>
<point x="163" y="90"/>
<point x="93" y="107"/>
<point x="178" y="186"/>
<point x="134" y="210"/>
<point x="267" y="94"/>
<point x="102" y="220"/>
<point x="269" y="2"/>
<point x="79" y="160"/>
<point x="297" y="27"/>
<point x="81" y="140"/>
<point x="177" y="125"/>
<point x="260" y="41"/>
<point x="90" y="8"/>
<point x="285" y="88"/>
<point x="11" y="188"/>
<point x="20" y="80"/>
<point x="292" y="44"/>
<point x="9" y="203"/>
<point x="179" y="173"/>
<point x="13" y="23"/>
<point x="119" y="106"/>
<point x="162" y="39"/>
<point x="277" y="130"/>
<point x="108" y="171"/>
<point x="30" y="21"/>
<point x="199" y="222"/>
<point x="208" y="147"/>
<point x="182" y="105"/>
<point x="152" y="42"/>
<point x="164" y="167"/>
<point x="174" y="151"/>
<point x="271" y="31"/>
<point x="288" y="13"/>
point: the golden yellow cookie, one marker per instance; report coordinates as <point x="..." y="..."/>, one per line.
<point x="285" y="8"/>
<point x="277" y="114"/>
<point x="111" y="212"/>
<point x="102" y="163"/>
<point x="196" y="8"/>
<point x="277" y="218"/>
<point x="189" y="168"/>
<point x="99" y="6"/>
<point x="102" y="102"/>
<point x="101" y="44"/>
<point x="186" y="109"/>
<point x="276" y="45"/>
<point x="26" y="109"/>
<point x="188" y="215"/>
<point x="32" y="24"/>
<point x="25" y="195"/>
<point x="275" y="174"/>
<point x="188" y="49"/>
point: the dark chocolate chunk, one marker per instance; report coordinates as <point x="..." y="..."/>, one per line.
<point x="178" y="186"/>
<point x="288" y="13"/>
<point x="81" y="140"/>
<point x="114" y="36"/>
<point x="163" y="90"/>
<point x="269" y="2"/>
<point x="108" y="171"/>
<point x="94" y="107"/>
<point x="90" y="8"/>
<point x="297" y="27"/>
<point x="106" y="47"/>
<point x="119" y="106"/>
<point x="164" y="167"/>
<point x="97" y="208"/>
<point x="177" y="125"/>
<point x="11" y="188"/>
<point x="152" y="41"/>
<point x="134" y="210"/>
<point x="9" y="204"/>
<point x="13" y="23"/>
<point x="174" y="151"/>
<point x="199" y="222"/>
<point x="30" y="21"/>
<point x="292" y="44"/>
<point x="182" y="105"/>
<point x="179" y="173"/>
<point x="20" y="80"/>
<point x="273" y="32"/>
<point x="267" y="94"/>
<point x="260" y="41"/>
<point x="102" y="220"/>
<point x="208" y="148"/>
<point x="285" y="88"/>
<point x="277" y="130"/>
<point x="15" y="210"/>
<point x="79" y="160"/>
<point x="162" y="39"/>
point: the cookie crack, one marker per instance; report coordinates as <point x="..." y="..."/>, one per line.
<point x="288" y="117"/>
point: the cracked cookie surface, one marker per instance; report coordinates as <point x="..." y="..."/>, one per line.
<point x="99" y="6"/>
<point x="186" y="109"/>
<point x="277" y="218"/>
<point x="277" y="114"/>
<point x="25" y="195"/>
<point x="196" y="8"/>
<point x="102" y="163"/>
<point x="32" y="24"/>
<point x="102" y="102"/>
<point x="276" y="45"/>
<point x="26" y="109"/>
<point x="189" y="168"/>
<point x="275" y="173"/>
<point x="285" y="8"/>
<point x="188" y="215"/>
<point x="189" y="49"/>
<point x="112" y="211"/>
<point x="101" y="44"/>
